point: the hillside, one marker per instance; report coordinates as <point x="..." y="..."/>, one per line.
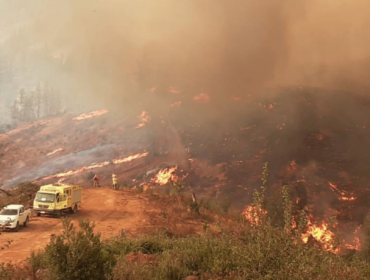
<point x="314" y="140"/>
<point x="148" y="235"/>
<point x="114" y="213"/>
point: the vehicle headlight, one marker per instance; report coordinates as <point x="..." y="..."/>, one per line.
<point x="11" y="220"/>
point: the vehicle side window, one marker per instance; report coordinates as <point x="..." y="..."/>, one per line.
<point x="21" y="210"/>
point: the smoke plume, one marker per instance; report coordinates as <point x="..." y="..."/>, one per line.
<point x="111" y="54"/>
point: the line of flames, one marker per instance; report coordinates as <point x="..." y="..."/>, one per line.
<point x="90" y="115"/>
<point x="96" y="165"/>
<point x="203" y="98"/>
<point x="144" y="118"/>
<point x="356" y="244"/>
<point x="129" y="158"/>
<point x="321" y="233"/>
<point x="73" y="172"/>
<point x="344" y="195"/>
<point x="55" y="151"/>
<point x="174" y="90"/>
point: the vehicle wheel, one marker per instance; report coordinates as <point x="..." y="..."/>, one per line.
<point x="26" y="222"/>
<point x="38" y="214"/>
<point x="75" y="208"/>
<point x="16" y="227"/>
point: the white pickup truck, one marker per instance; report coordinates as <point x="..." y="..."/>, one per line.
<point x="14" y="215"/>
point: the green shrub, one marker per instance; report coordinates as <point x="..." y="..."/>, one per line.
<point x="77" y="254"/>
<point x="259" y="252"/>
<point x="149" y="247"/>
<point x="6" y="271"/>
<point x="267" y="250"/>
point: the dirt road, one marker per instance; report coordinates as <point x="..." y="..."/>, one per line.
<point x="112" y="211"/>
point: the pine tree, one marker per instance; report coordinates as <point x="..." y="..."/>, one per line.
<point x="58" y="102"/>
<point x="37" y="101"/>
<point x="46" y="101"/>
<point x="14" y="110"/>
<point x="29" y="110"/>
<point x="21" y="102"/>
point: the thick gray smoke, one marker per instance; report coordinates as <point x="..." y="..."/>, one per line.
<point x="103" y="53"/>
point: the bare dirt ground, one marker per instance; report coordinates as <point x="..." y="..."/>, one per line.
<point x="112" y="211"/>
<point x="129" y="211"/>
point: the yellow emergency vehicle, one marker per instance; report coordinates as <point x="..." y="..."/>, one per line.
<point x="57" y="198"/>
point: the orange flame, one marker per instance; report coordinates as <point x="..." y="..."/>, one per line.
<point x="251" y="215"/>
<point x="344" y="195"/>
<point x="355" y="246"/>
<point x="90" y="115"/>
<point x="321" y="233"/>
<point x="204" y="98"/>
<point x="130" y="158"/>
<point x="140" y="125"/>
<point x="73" y="172"/>
<point x="144" y="118"/>
<point x="174" y="90"/>
<point x="345" y="198"/>
<point x="335" y="188"/>
<point x="55" y="151"/>
<point x="165" y="175"/>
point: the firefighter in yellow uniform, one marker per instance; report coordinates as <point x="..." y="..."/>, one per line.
<point x="115" y="181"/>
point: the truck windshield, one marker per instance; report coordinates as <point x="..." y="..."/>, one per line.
<point x="44" y="197"/>
<point x="9" y="212"/>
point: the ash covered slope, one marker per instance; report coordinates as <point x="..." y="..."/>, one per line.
<point x="315" y="140"/>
